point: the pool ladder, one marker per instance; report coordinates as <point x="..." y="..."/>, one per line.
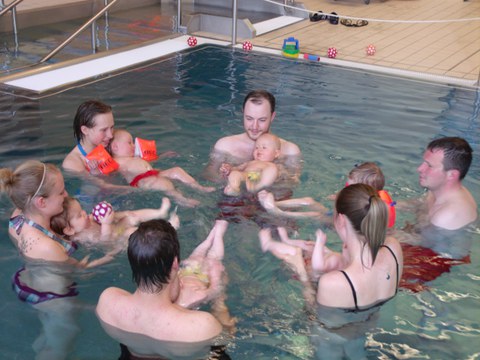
<point x="12" y="6"/>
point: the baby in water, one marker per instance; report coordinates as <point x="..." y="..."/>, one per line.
<point x="139" y="173"/>
<point x="257" y="174"/>
<point x="114" y="227"/>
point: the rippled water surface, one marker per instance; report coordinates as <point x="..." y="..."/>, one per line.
<point x="337" y="116"/>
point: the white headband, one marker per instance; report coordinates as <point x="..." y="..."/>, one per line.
<point x="41" y="182"/>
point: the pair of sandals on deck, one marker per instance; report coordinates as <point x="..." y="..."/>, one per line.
<point x="319" y="15"/>
<point x="333" y="18"/>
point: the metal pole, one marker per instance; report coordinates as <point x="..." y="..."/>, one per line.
<point x="71" y="37"/>
<point x="179" y="14"/>
<point x="14" y="21"/>
<point x="234" y="23"/>
<point x="94" y="37"/>
<point x="4" y="8"/>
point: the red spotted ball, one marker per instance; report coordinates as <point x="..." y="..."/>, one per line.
<point x="192" y="41"/>
<point x="100" y="210"/>
<point x="370" y="50"/>
<point x="247" y="46"/>
<point x="332" y="53"/>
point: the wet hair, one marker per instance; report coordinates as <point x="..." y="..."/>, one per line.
<point x="152" y="249"/>
<point x="30" y="179"/>
<point x="61" y="221"/>
<point x="457" y="153"/>
<point x="85" y="116"/>
<point x="368" y="173"/>
<point x="367" y="212"/>
<point x="258" y="96"/>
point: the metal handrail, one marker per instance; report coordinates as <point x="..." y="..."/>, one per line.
<point x="12" y="6"/>
<point x="74" y="35"/>
<point x="9" y="6"/>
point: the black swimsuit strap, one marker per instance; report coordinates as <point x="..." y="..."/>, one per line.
<point x="354" y="293"/>
<point x="396" y="262"/>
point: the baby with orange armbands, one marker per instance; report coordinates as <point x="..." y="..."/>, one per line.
<point x="367" y="173"/>
<point x="139" y="173"/>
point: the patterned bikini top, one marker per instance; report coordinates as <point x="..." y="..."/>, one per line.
<point x="18" y="221"/>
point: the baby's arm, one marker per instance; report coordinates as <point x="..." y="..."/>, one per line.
<point x="135" y="217"/>
<point x="226" y="168"/>
<point x="106" y="227"/>
<point x="267" y="177"/>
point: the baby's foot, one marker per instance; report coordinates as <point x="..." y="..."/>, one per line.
<point x="208" y="189"/>
<point x="202" y="188"/>
<point x="164" y="208"/>
<point x="187" y="202"/>
<point x="174" y="219"/>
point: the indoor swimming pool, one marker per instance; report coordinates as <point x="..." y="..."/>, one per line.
<point x="337" y="116"/>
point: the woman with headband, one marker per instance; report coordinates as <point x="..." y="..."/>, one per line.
<point x="37" y="190"/>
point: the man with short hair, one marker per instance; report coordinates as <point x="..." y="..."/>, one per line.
<point x="153" y="254"/>
<point x="258" y="115"/>
<point x="449" y="204"/>
<point x="448" y="210"/>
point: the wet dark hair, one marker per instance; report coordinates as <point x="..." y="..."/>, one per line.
<point x="152" y="249"/>
<point x="367" y="212"/>
<point x="457" y="153"/>
<point x="85" y="114"/>
<point x="258" y="96"/>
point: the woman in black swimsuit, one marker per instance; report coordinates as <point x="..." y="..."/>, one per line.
<point x="355" y="283"/>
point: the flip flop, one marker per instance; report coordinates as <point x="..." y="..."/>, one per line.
<point x="319" y="15"/>
<point x="350" y="23"/>
<point x="333" y="18"/>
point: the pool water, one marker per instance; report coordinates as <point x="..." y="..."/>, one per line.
<point x="339" y="117"/>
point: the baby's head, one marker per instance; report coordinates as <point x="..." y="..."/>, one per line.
<point x="122" y="144"/>
<point x="267" y="147"/>
<point x="72" y="220"/>
<point x="367" y="173"/>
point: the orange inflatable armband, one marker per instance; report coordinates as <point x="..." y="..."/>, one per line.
<point x="391" y="207"/>
<point x="105" y="163"/>
<point x="146" y="149"/>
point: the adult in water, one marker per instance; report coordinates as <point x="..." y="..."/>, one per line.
<point x="148" y="322"/>
<point x="230" y="151"/>
<point x="355" y="283"/>
<point x="92" y="126"/>
<point x="446" y="215"/>
<point x="448" y="209"/>
<point x="258" y="115"/>
<point x="38" y="190"/>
